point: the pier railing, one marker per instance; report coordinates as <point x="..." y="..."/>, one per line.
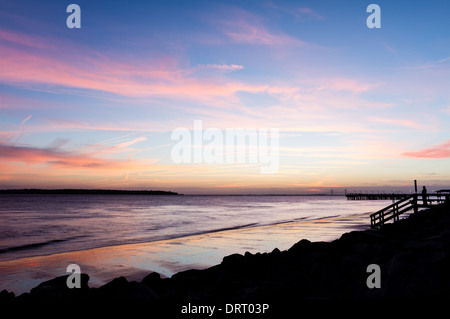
<point x="411" y="202"/>
<point x="376" y="196"/>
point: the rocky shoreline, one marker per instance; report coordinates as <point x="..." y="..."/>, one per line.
<point x="413" y="256"/>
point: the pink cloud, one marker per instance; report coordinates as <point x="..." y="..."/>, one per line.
<point x="436" y="151"/>
<point x="129" y="143"/>
<point x="56" y="157"/>
<point x="25" y="40"/>
<point x="93" y="71"/>
<point x="22" y="68"/>
<point x="6" y="136"/>
<point x="52" y="156"/>
<point x="10" y="101"/>
<point x="347" y="84"/>
<point x="396" y="122"/>
<point x="247" y="28"/>
<point x="300" y="13"/>
<point x="245" y="33"/>
<point x="446" y="110"/>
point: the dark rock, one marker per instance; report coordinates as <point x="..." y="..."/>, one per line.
<point x="188" y="275"/>
<point x="232" y="258"/>
<point x="152" y="280"/>
<point x="120" y="288"/>
<point x="57" y="289"/>
<point x="300" y="246"/>
<point x="115" y="284"/>
<point x="6" y="296"/>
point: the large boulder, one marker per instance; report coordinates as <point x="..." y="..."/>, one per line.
<point x="57" y="289"/>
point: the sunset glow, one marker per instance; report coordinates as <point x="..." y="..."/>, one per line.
<point x="95" y="107"/>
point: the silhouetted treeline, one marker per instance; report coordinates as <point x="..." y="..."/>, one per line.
<point x="86" y="192"/>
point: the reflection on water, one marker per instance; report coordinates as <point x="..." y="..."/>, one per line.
<point x="167" y="257"/>
<point x="33" y="225"/>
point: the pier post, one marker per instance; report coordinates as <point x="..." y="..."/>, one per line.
<point x="415" y="203"/>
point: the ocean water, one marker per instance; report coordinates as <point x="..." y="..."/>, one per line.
<point x="39" y="225"/>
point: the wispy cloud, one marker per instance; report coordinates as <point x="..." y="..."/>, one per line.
<point x="21" y="128"/>
<point x="220" y="67"/>
<point x="303" y="12"/>
<point x="247" y="28"/>
<point x="434" y="64"/>
<point x="246" y="33"/>
<point x="96" y="156"/>
<point x="129" y="143"/>
<point x="300" y="13"/>
<point x="348" y="84"/>
<point x="54" y="157"/>
<point x="130" y="78"/>
<point x="400" y="122"/>
<point x="446" y="109"/>
<point x="436" y="151"/>
<point x="25" y="40"/>
<point x="443" y="60"/>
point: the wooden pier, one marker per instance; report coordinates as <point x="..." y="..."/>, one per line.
<point x="378" y="196"/>
<point x="411" y="202"/>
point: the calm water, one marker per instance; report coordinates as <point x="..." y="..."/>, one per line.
<point x="34" y="225"/>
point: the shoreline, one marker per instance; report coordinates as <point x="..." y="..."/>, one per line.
<point x="170" y="256"/>
<point x="413" y="255"/>
<point x="248" y="227"/>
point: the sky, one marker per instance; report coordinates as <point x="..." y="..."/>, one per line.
<point x="350" y="107"/>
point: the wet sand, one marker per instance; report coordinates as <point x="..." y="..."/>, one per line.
<point x="168" y="257"/>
